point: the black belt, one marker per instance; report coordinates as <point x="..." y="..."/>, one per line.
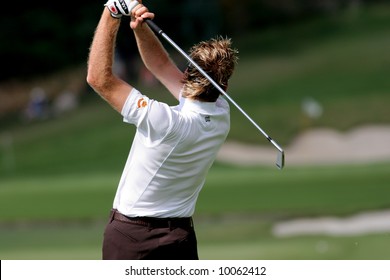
<point x="154" y="222"/>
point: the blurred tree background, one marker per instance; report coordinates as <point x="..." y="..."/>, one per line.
<point x="42" y="37"/>
<point x="39" y="39"/>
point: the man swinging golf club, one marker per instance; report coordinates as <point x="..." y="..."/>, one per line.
<point x="174" y="147"/>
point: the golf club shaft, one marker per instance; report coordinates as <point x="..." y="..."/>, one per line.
<point x="160" y="32"/>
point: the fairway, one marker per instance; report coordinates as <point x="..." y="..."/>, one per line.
<point x="334" y="190"/>
<point x="218" y="239"/>
<point x="64" y="217"/>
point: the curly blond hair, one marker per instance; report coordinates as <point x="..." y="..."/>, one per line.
<point x="218" y="59"/>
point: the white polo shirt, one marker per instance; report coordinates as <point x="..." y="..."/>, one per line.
<point x="172" y="151"/>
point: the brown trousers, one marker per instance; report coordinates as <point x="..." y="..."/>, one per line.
<point x="149" y="238"/>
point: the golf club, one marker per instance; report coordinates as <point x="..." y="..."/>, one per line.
<point x="160" y="32"/>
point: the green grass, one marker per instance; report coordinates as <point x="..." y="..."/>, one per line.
<point x="57" y="189"/>
<point x="55" y="241"/>
<point x="296" y="191"/>
<point x="61" y="197"/>
<point x="62" y="216"/>
<point x="222" y="240"/>
<point x="306" y="191"/>
<point x="300" y="248"/>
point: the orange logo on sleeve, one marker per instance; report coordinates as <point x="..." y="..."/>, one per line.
<point x="142" y="103"/>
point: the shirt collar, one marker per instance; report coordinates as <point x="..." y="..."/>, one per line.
<point x="197" y="106"/>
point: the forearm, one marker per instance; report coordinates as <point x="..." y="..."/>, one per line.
<point x="101" y="55"/>
<point x="152" y="52"/>
<point x="157" y="60"/>
<point x="100" y="74"/>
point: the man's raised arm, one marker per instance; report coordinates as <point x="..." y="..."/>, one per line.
<point x="100" y="74"/>
<point x="153" y="54"/>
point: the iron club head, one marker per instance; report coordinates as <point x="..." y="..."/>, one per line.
<point x="280" y="160"/>
<point x="280" y="156"/>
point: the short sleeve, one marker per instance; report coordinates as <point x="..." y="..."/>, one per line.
<point x="153" y="119"/>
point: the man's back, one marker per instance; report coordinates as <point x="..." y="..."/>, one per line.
<point x="171" y="154"/>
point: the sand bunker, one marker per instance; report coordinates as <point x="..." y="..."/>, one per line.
<point x="319" y="146"/>
<point x="359" y="224"/>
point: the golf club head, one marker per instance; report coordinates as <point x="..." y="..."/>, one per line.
<point x="280" y="160"/>
<point x="280" y="156"/>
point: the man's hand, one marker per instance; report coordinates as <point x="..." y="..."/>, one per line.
<point x="118" y="8"/>
<point x="139" y="14"/>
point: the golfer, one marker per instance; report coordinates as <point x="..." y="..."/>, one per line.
<point x="174" y="147"/>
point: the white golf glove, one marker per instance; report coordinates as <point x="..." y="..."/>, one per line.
<point x="118" y="8"/>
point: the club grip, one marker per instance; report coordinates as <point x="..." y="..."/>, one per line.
<point x="153" y="26"/>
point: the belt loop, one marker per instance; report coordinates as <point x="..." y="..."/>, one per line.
<point x="170" y="225"/>
<point x="112" y="214"/>
<point x="150" y="226"/>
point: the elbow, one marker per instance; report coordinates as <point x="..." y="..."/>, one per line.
<point x="97" y="81"/>
<point x="98" y="85"/>
<point x="91" y="82"/>
<point x="92" y="79"/>
<point x="101" y="82"/>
